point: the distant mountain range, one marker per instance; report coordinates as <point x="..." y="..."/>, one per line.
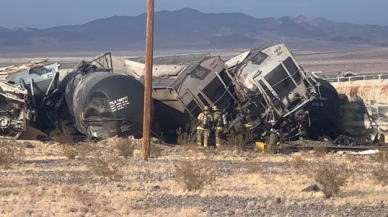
<point x="191" y="29"/>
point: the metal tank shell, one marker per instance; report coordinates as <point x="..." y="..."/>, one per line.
<point x="182" y="86"/>
<point x="104" y="104"/>
<point x="323" y="112"/>
<point x="363" y="105"/>
<point x="260" y="89"/>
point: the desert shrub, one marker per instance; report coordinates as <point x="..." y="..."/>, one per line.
<point x="156" y="151"/>
<point x="126" y="147"/>
<point x="239" y="140"/>
<point x="76" y="193"/>
<point x="195" y="175"/>
<point x="298" y="162"/>
<point x="320" y="150"/>
<point x="331" y="178"/>
<point x="187" y="136"/>
<point x="78" y="150"/>
<point x="84" y="197"/>
<point x="63" y="134"/>
<point x="105" y="168"/>
<point x="70" y="151"/>
<point x="303" y="149"/>
<point x="86" y="149"/>
<point x="10" y="152"/>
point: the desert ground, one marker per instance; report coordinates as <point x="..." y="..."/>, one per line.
<point x="363" y="61"/>
<point x="42" y="181"/>
<point x="45" y="182"/>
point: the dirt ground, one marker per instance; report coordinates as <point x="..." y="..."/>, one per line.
<point x="46" y="183"/>
<point x="363" y="61"/>
<point x="374" y="61"/>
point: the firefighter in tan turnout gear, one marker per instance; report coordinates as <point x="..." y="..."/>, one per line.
<point x="218" y="125"/>
<point x="205" y="123"/>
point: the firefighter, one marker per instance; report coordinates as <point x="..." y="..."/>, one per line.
<point x="203" y="130"/>
<point x="218" y="125"/>
<point x="275" y="139"/>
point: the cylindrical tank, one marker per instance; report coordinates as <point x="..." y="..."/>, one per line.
<point x="323" y="112"/>
<point x="363" y="106"/>
<point x="104" y="104"/>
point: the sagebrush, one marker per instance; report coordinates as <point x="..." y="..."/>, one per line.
<point x="126" y="147"/>
<point x="10" y="152"/>
<point x="331" y="178"/>
<point x="320" y="150"/>
<point x="239" y="140"/>
<point x="70" y="151"/>
<point x="196" y="174"/>
<point x="156" y="151"/>
<point x="63" y="134"/>
<point x="105" y="168"/>
<point x="187" y="136"/>
<point x="78" y="150"/>
<point x="298" y="162"/>
<point x="84" y="197"/>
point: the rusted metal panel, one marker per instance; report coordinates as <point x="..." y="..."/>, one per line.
<point x="363" y="107"/>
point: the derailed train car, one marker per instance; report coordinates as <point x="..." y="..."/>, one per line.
<point x="262" y="89"/>
<point x="363" y="108"/>
<point x="25" y="89"/>
<point x="91" y="99"/>
<point x="103" y="104"/>
<point x="274" y="89"/>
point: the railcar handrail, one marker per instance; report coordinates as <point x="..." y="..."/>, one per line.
<point x="352" y="78"/>
<point x="359" y="78"/>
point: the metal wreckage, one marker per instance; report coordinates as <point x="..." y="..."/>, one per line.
<point x="263" y="90"/>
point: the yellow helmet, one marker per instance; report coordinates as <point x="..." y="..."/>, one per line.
<point x="215" y="108"/>
<point x="205" y="108"/>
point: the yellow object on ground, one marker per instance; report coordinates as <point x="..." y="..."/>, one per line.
<point x="260" y="146"/>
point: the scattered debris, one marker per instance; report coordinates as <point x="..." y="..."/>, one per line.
<point x="311" y="188"/>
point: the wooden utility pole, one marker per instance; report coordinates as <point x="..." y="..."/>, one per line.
<point x="148" y="80"/>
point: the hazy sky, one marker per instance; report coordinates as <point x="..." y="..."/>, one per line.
<point x="48" y="13"/>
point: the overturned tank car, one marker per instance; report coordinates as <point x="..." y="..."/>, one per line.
<point x="103" y="104"/>
<point x="261" y="89"/>
<point x="363" y="108"/>
<point x="92" y="99"/>
<point x="324" y="113"/>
